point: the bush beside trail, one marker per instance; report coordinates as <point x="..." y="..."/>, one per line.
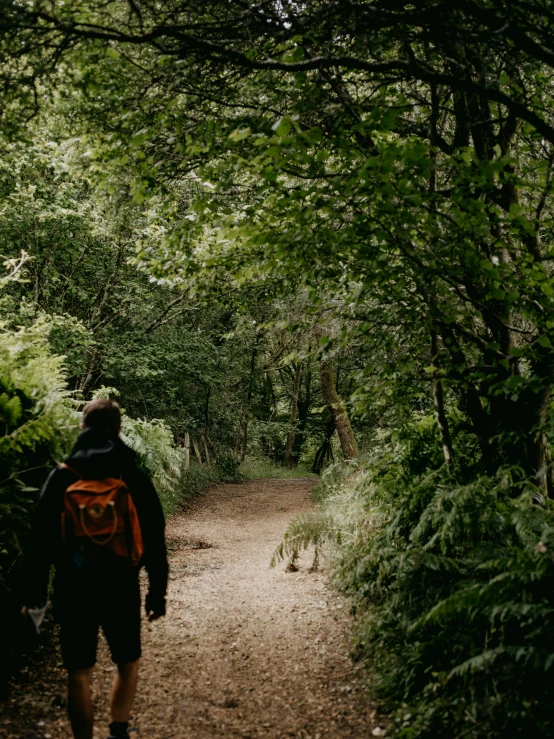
<point x="40" y="424"/>
<point x="453" y="586"/>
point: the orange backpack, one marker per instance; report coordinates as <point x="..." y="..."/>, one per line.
<point x="102" y="513"/>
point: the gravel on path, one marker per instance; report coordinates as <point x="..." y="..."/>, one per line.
<point x="244" y="651"/>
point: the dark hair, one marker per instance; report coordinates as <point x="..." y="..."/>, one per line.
<point x="102" y="414"/>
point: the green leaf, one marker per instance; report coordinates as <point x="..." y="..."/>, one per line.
<point x="239" y="134"/>
<point x="282" y="127"/>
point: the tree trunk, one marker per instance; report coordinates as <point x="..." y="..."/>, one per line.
<point x="438" y="402"/>
<point x="249" y="397"/>
<point x="197" y="452"/>
<point x="87" y="380"/>
<point x="244" y="439"/>
<point x="186" y="459"/>
<point x="206" y="451"/>
<point x="293" y="415"/>
<point x="325" y="447"/>
<point x="334" y="403"/>
<point x="520" y="438"/>
<point x="207" y="413"/>
<point x="239" y="433"/>
<point x="304" y="404"/>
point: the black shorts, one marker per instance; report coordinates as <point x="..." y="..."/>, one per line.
<point x="102" y="598"/>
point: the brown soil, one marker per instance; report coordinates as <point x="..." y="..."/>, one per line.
<point x="245" y="650"/>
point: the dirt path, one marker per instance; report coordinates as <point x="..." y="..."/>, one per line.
<point x="245" y="651"/>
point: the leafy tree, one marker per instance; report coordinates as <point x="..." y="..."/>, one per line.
<point x="386" y="167"/>
<point x="406" y="163"/>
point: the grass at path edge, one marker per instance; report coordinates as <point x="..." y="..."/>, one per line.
<point x="255" y="469"/>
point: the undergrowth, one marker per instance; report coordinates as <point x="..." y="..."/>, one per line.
<point x="453" y="585"/>
<point x="157" y="454"/>
<point x="254" y="468"/>
<point x="37" y="426"/>
<point x="196" y="479"/>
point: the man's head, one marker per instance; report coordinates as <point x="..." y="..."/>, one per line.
<point x="103" y="414"/>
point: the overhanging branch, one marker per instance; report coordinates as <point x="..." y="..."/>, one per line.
<point x="175" y="41"/>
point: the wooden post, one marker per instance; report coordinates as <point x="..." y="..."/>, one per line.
<point x="197" y="452"/>
<point x="186" y="461"/>
<point x="206" y="452"/>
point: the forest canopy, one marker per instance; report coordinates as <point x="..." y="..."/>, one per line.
<point x="393" y="158"/>
<point x="303" y="230"/>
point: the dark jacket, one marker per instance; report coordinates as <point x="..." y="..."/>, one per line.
<point x="96" y="455"/>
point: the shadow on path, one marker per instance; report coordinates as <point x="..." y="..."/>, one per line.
<point x="245" y="651"/>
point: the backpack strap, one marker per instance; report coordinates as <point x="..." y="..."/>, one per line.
<point x="64" y="466"/>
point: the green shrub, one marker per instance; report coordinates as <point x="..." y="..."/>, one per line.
<point x="453" y="585"/>
<point x="416" y="448"/>
<point x="228" y="466"/>
<point x="158" y="455"/>
<point x="38" y="424"/>
<point x="225" y="468"/>
<point x="196" y="479"/>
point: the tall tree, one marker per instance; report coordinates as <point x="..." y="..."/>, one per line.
<point x="336" y="406"/>
<point x="314" y="132"/>
<point x="293" y="414"/>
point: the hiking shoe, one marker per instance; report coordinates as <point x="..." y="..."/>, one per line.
<point x="117" y="727"/>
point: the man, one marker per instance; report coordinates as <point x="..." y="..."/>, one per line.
<point x="93" y="587"/>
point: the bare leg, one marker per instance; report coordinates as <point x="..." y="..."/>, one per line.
<point x="123" y="691"/>
<point x="79" y="702"/>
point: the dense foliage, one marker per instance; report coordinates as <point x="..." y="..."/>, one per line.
<point x="401" y="173"/>
<point x="293" y="229"/>
<point x="453" y="587"/>
<point x="39" y="425"/>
